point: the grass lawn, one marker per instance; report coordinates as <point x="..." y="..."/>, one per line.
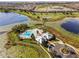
<point x="32" y="50"/>
<point x="52" y="16"/>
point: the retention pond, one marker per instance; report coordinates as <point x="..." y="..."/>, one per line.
<point x="72" y="25"/>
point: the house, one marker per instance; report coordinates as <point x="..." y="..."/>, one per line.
<point x="39" y="35"/>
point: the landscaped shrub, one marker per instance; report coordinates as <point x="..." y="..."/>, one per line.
<point x="13" y="36"/>
<point x="20" y="28"/>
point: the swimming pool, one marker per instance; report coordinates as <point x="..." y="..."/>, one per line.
<point x="26" y="34"/>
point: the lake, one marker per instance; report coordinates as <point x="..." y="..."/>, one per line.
<point x="10" y="18"/>
<point x="72" y="25"/>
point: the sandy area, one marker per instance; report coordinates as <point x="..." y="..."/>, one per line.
<point x="8" y="27"/>
<point x="3" y="40"/>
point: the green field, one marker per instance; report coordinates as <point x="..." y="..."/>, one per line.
<point x="30" y="50"/>
<point x="50" y="16"/>
<point x="33" y="51"/>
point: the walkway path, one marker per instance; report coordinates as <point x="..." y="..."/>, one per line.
<point x="45" y="51"/>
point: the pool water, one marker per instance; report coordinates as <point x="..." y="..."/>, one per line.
<point x="10" y="18"/>
<point x="26" y="34"/>
<point x="72" y="25"/>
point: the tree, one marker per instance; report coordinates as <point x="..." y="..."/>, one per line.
<point x="38" y="17"/>
<point x="20" y="28"/>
